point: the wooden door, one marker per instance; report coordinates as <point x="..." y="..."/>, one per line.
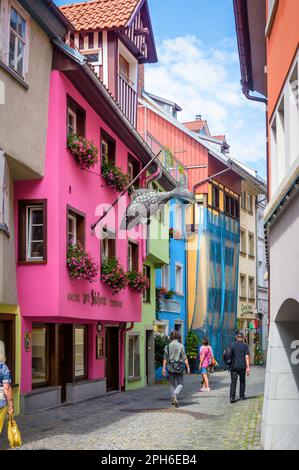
<point x="112" y="358"/>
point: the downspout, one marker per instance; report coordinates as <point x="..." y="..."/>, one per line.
<point x="123" y="331"/>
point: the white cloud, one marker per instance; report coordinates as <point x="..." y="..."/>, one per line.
<point x="206" y="81"/>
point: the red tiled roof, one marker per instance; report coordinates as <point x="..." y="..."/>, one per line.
<point x="195" y="126"/>
<point x="100" y="14"/>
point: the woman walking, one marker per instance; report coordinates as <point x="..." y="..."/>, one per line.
<point x="205" y="356"/>
<point x="5" y="388"/>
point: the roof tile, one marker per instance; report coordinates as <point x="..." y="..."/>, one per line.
<point x="100" y="14"/>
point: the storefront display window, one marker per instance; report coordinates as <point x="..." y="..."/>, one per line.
<point x="39" y="355"/>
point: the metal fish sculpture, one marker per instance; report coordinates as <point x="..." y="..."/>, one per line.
<point x="146" y="202"/>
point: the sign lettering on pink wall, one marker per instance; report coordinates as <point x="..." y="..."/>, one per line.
<point x="93" y="298"/>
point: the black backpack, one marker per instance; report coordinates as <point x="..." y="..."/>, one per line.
<point x="228" y="356"/>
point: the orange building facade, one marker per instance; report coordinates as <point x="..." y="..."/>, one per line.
<point x="268" y="40"/>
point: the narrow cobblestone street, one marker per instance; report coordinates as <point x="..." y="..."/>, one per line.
<point x="143" y="419"/>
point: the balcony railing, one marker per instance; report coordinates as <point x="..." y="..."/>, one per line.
<point x="170" y="162"/>
<point x="127" y="99"/>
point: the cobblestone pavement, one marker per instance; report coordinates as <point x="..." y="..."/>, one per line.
<point x="143" y="419"/>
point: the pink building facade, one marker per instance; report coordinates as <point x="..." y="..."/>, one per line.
<point x="73" y="330"/>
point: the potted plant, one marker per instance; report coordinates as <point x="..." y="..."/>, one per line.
<point x="192" y="343"/>
<point x="138" y="281"/>
<point x="169" y="294"/>
<point x="161" y="291"/>
<point x="113" y="274"/>
<point x="80" y="264"/>
<point x="84" y="151"/>
<point x="114" y="177"/>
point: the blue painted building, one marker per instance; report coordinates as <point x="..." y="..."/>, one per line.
<point x="172" y="277"/>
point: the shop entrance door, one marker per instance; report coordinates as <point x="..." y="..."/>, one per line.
<point x="150" y="357"/>
<point x="112" y="358"/>
<point x="65" y="357"/>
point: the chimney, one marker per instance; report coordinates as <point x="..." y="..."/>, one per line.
<point x="140" y="79"/>
<point x="198" y="117"/>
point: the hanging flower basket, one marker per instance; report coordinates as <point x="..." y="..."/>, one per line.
<point x="138" y="281"/>
<point x="80" y="264"/>
<point x="83" y="150"/>
<point x="115" y="177"/>
<point x="113" y="275"/>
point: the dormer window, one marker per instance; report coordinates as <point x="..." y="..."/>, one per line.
<point x="124" y="69"/>
<point x="91" y="46"/>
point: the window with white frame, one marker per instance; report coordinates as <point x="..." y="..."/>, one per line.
<point x="14" y="37"/>
<point x="71" y="122"/>
<point x="134" y="356"/>
<point x="161" y="328"/>
<point x="179" y="278"/>
<point x="35" y="229"/>
<point x="72" y="229"/>
<point x="243" y="286"/>
<point x="166" y="276"/>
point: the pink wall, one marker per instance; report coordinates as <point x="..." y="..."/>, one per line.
<point x="43" y="289"/>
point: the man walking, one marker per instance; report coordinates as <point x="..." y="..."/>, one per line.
<point x="240" y="366"/>
<point x="175" y="358"/>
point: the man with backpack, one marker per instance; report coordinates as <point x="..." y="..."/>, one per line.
<point x="237" y="359"/>
<point x="175" y="359"/>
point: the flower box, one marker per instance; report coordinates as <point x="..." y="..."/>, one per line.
<point x="114" y="177"/>
<point x="80" y="264"/>
<point x="84" y="151"/>
<point x="113" y="274"/>
<point x="138" y="281"/>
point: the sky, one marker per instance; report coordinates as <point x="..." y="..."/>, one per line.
<point x="198" y="68"/>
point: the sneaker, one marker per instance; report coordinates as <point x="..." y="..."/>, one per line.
<point x="233" y="400"/>
<point x="173" y="400"/>
<point x="203" y="389"/>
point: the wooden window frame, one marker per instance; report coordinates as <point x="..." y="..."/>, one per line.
<point x="135" y="256"/>
<point x="111" y="244"/>
<point x="80" y="230"/>
<point x="134" y="337"/>
<point x="80" y="113"/>
<point x="72" y="113"/>
<point x="251" y="237"/>
<point x="251" y="278"/>
<point x="78" y="378"/>
<point x="243" y="231"/>
<point x="215" y="188"/>
<point x="10" y="343"/>
<point x="22" y="230"/>
<point x="111" y="144"/>
<point x="241" y="293"/>
<point x="147" y="293"/>
<point x="135" y="165"/>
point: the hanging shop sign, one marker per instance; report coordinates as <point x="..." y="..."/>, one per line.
<point x="246" y="309"/>
<point x="27" y="341"/>
<point x="99" y="327"/>
<point x="93" y="298"/>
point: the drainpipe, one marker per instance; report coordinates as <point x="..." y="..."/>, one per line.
<point x="123" y="331"/>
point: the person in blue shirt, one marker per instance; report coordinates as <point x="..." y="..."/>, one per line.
<point x="5" y="388"/>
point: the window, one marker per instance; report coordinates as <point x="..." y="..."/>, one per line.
<point x="4" y="192"/>
<point x="147" y="293"/>
<point x="124" y="68"/>
<point x="161" y="328"/>
<point x="179" y="279"/>
<point x="108" y="148"/>
<point x="40" y="364"/>
<point x="231" y="206"/>
<point x="33" y="231"/>
<point x="243" y="286"/>
<point x="134" y="356"/>
<point x="108" y="246"/>
<point x="80" y="343"/>
<point x="166" y="276"/>
<point x="250" y="203"/>
<point x="132" y="256"/>
<point x="215" y="197"/>
<point x="75" y="226"/>
<point x="76" y="117"/>
<point x="71" y="122"/>
<point x="243" y="241"/>
<point x="251" y="244"/>
<point x="17" y="42"/>
<point x="178" y="218"/>
<point x="251" y="288"/>
<point x="243" y="200"/>
<point x="7" y="335"/>
<point x="133" y="170"/>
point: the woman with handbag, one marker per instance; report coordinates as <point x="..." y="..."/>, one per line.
<point x="5" y="388"/>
